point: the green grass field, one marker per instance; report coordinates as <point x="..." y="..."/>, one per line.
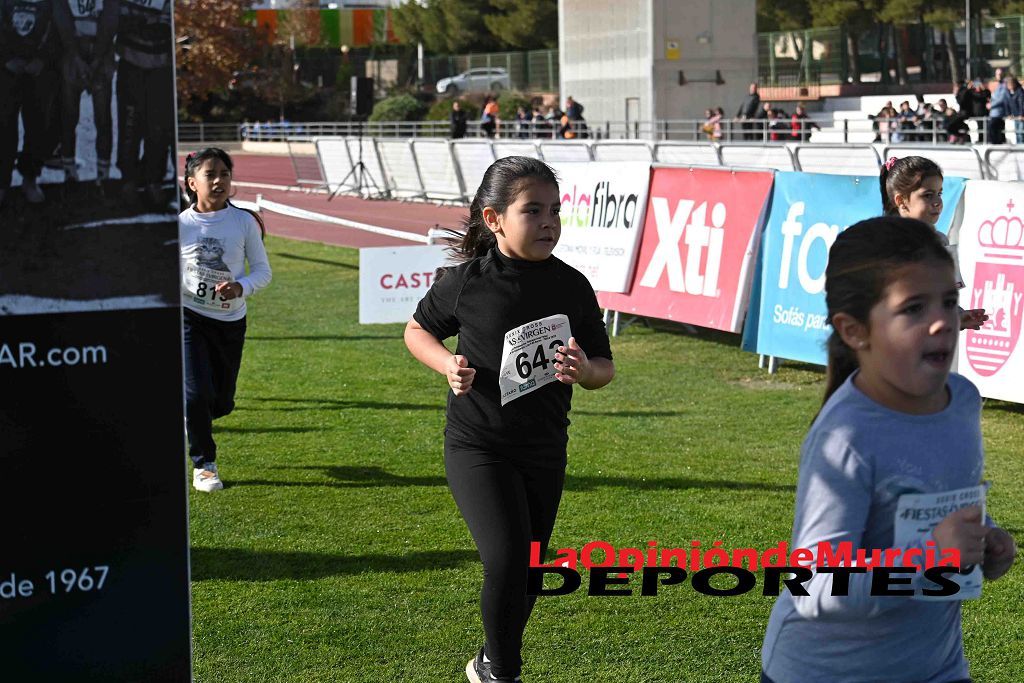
<point x="336" y="552"/>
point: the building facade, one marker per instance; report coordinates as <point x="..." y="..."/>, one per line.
<point x="645" y="60"/>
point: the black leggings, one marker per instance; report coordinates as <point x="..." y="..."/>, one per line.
<point x="507" y="502"/>
<point x="213" y="356"/>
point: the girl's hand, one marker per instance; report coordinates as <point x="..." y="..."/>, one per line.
<point x="229" y="290"/>
<point x="962" y="530"/>
<point x="459" y="375"/>
<point x="972" y="319"/>
<point x="572" y="363"/>
<point x="999" y="553"/>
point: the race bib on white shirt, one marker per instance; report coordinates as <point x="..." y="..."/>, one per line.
<point x="528" y="356"/>
<point x="202" y="270"/>
<point x="917" y="514"/>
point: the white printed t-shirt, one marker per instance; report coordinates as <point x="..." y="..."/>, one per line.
<point x="215" y="246"/>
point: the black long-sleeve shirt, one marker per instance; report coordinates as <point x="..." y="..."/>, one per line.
<point x="480" y="301"/>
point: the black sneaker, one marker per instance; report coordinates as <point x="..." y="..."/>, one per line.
<point x="478" y="670"/>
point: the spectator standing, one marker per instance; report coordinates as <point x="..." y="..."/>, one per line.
<point x="763" y="121"/>
<point x="574" y="110"/>
<point x="539" y="125"/>
<point x="457" y="120"/>
<point x="999" y="109"/>
<point x="489" y="117"/>
<point x="748" y="111"/>
<point x="973" y="99"/>
<point x="801" y="125"/>
<point x="522" y="122"/>
<point x="1016" y="97"/>
<point x="905" y="123"/>
<point x="878" y="118"/>
<point x="552" y="119"/>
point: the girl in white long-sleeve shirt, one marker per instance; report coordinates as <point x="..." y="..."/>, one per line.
<point x="217" y="239"/>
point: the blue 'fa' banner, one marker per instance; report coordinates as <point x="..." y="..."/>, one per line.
<point x="788" y="317"/>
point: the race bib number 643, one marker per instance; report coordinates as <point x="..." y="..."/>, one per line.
<point x="528" y="356"/>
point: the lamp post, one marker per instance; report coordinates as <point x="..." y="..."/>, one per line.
<point x="967" y="35"/>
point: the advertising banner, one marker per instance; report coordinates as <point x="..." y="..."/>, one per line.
<point x="991" y="248"/>
<point x="392" y="280"/>
<point x="699" y="238"/>
<point x="603" y="206"/>
<point x="808" y="210"/>
<point x="94" y="575"/>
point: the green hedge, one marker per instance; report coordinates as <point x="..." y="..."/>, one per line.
<point x="398" y="108"/>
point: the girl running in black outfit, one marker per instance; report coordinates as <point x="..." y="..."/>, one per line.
<point x="529" y="328"/>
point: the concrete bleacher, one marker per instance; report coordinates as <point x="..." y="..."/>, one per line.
<point x="857" y="112"/>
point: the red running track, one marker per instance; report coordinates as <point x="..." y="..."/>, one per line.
<point x="266" y="169"/>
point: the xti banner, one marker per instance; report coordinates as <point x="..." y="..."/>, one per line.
<point x="808" y="210"/>
<point x="696" y="254"/>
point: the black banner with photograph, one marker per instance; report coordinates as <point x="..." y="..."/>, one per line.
<point x="94" y="563"/>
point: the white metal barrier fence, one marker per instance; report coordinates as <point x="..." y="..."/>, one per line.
<point x="451" y="170"/>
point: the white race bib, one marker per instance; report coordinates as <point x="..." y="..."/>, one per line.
<point x="199" y="288"/>
<point x="918" y="513"/>
<point x="528" y="356"/>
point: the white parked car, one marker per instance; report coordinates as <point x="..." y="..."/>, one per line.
<point x="479" y="80"/>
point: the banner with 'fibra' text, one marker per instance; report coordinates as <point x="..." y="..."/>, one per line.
<point x="602" y="215"/>
<point x="788" y="316"/>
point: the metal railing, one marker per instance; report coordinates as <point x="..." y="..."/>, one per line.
<point x="853" y="131"/>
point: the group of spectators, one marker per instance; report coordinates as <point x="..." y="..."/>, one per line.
<point x="554" y="123"/>
<point x="942" y="123"/>
<point x="761" y="121"/>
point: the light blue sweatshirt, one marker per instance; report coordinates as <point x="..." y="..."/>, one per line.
<point x="856" y="460"/>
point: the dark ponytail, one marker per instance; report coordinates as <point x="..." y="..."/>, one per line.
<point x="195" y="160"/>
<point x="501" y="185"/>
<point x="861" y="263"/>
<point x="903" y="176"/>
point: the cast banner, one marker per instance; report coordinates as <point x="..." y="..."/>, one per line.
<point x="603" y="207"/>
<point x="392" y="280"/>
<point x="94" y="574"/>
<point x="700" y="235"/>
<point x="991" y="248"/>
<point x="808" y="210"/>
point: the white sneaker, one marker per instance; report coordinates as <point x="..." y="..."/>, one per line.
<point x="206" y="479"/>
<point x="33" y="195"/>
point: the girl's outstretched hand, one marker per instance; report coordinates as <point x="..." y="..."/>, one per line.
<point x="999" y="553"/>
<point x="459" y="375"/>
<point x="572" y="363"/>
<point x="972" y="318"/>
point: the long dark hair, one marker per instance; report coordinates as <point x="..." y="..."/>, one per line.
<point x="192" y="164"/>
<point x="903" y="176"/>
<point x="501" y="185"/>
<point x="861" y="264"/>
